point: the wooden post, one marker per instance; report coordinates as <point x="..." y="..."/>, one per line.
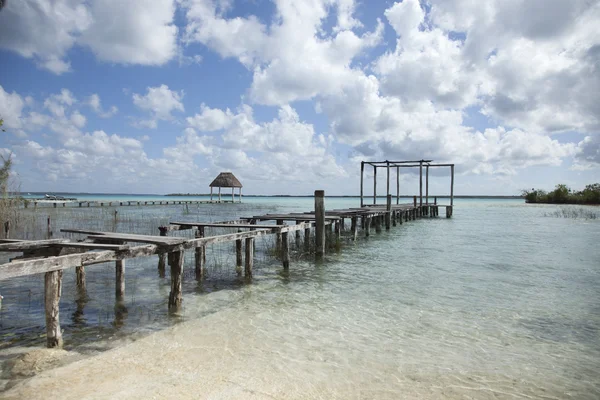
<point x="297" y="236"/>
<point x="421" y="183"/>
<point x="278" y="236"/>
<point x="354" y="228"/>
<point x="388" y="212"/>
<point x="368" y="226"/>
<point x="378" y="223"/>
<point x="219" y="194"/>
<point x="199" y="255"/>
<point x="338" y="230"/>
<point x="175" y="296"/>
<point x="400" y="216"/>
<point x="394" y="218"/>
<point x="233" y="195"/>
<point x="387" y="193"/>
<point x="362" y="171"/>
<point x="119" y="279"/>
<point x="307" y="240"/>
<point x="49" y="231"/>
<point x="397" y="185"/>
<point x="7" y="230"/>
<point x="448" y="212"/>
<point x="427" y="184"/>
<point x="285" y="250"/>
<point x="239" y="258"/>
<point x="80" y="278"/>
<point x="374" y="184"/>
<point x="249" y="256"/>
<point x="52" y="293"/>
<point x="162" y="258"/>
<point x="211" y="193"/>
<point x="451" y="186"/>
<point x="319" y="223"/>
<point x="415" y="201"/>
<point x="240" y="194"/>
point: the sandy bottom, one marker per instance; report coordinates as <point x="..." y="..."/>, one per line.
<point x="207" y="359"/>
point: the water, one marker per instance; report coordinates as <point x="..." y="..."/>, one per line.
<point x="498" y="302"/>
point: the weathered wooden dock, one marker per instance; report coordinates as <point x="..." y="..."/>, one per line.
<point x="319" y="226"/>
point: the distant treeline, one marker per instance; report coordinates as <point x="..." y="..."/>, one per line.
<point x="562" y="194"/>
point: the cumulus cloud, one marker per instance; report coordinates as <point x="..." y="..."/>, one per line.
<point x="160" y="102"/>
<point x="95" y="104"/>
<point x="11" y="106"/>
<point x="131" y="32"/>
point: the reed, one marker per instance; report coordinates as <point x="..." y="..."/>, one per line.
<point x="574" y="213"/>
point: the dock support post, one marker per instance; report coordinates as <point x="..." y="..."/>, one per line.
<point x="80" y="278"/>
<point x="451" y="187"/>
<point x="362" y="171"/>
<point x="285" y="250"/>
<point x="415" y="201"/>
<point x="421" y="183"/>
<point x="388" y="211"/>
<point x="307" y="240"/>
<point x="367" y="226"/>
<point x="200" y="255"/>
<point x="249" y="256"/>
<point x="394" y="218"/>
<point x="211" y="194"/>
<point x="278" y="238"/>
<point x="374" y="184"/>
<point x="427" y="185"/>
<point x="319" y="223"/>
<point x="354" y="228"/>
<point x="219" y="195"/>
<point x="448" y="212"/>
<point x="239" y="259"/>
<point x="119" y="279"/>
<point x="162" y="258"/>
<point x="297" y="236"/>
<point x="378" y="223"/>
<point x="400" y="216"/>
<point x="175" y="296"/>
<point x="52" y="293"/>
<point x="387" y="191"/>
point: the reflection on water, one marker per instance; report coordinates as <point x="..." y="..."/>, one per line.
<point x="498" y="302"/>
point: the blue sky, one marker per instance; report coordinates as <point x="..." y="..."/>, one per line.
<point x="159" y="97"/>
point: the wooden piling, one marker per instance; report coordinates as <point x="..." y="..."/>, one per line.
<point x="278" y="236"/>
<point x="162" y="257"/>
<point x="451" y="187"/>
<point x="7" y="230"/>
<point x="239" y="259"/>
<point x="52" y="293"/>
<point x="397" y="185"/>
<point x="199" y="256"/>
<point x="388" y="211"/>
<point x="354" y="228"/>
<point x="362" y="171"/>
<point x="378" y="223"/>
<point x="421" y="183"/>
<point x="367" y="226"/>
<point x="448" y="212"/>
<point x="175" y="296"/>
<point x="298" y="236"/>
<point x="306" y="240"/>
<point x="374" y="184"/>
<point x="249" y="256"/>
<point x="394" y="218"/>
<point x="80" y="278"/>
<point x="285" y="250"/>
<point x="319" y="223"/>
<point x="119" y="279"/>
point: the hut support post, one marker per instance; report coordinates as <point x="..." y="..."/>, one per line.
<point x="175" y="296"/>
<point x="211" y="193"/>
<point x="233" y="195"/>
<point x="52" y="293"/>
<point x="240" y="194"/>
<point x="451" y="189"/>
<point x="119" y="279"/>
<point x="421" y="184"/>
<point x="285" y="250"/>
<point x="378" y="223"/>
<point x="388" y="211"/>
<point x="320" y="222"/>
<point x="249" y="256"/>
<point x="387" y="191"/>
<point x="362" y="171"/>
<point x="219" y="194"/>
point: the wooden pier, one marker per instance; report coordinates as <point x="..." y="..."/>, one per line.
<point x="321" y="226"/>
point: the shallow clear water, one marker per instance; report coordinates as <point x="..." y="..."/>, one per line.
<point x="498" y="302"/>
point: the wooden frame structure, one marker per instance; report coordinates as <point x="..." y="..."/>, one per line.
<point x="388" y="165"/>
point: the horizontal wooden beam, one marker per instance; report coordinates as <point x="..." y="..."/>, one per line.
<point x="160" y="240"/>
<point x="217" y="225"/>
<point x="29" y="245"/>
<point x="92" y="246"/>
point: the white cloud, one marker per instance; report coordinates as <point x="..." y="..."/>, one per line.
<point x="132" y="32"/>
<point x="160" y="102"/>
<point x="11" y="107"/>
<point x="95" y="103"/>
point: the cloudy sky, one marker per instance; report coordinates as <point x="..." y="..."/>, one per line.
<point x="159" y="96"/>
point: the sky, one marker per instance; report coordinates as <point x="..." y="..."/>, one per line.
<point x="291" y="95"/>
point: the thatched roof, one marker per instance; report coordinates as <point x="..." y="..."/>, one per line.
<point x="226" y="179"/>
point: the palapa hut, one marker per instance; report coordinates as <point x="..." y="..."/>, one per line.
<point x="226" y="180"/>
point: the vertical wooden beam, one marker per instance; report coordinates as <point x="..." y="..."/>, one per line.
<point x="249" y="256"/>
<point x="388" y="212"/>
<point x="219" y="194"/>
<point x="394" y="218"/>
<point x="354" y="228"/>
<point x="233" y="195"/>
<point x="211" y="193"/>
<point x="415" y="201"/>
<point x="374" y="184"/>
<point x="319" y="223"/>
<point x="119" y="279"/>
<point x="298" y="236"/>
<point x="239" y="258"/>
<point x="7" y="230"/>
<point x="199" y="255"/>
<point x="367" y="226"/>
<point x="397" y="185"/>
<point x="162" y="258"/>
<point x="362" y="171"/>
<point x="307" y="240"/>
<point x="80" y="278"/>
<point x="175" y="296"/>
<point x="452" y="185"/>
<point x="400" y="216"/>
<point x="52" y="293"/>
<point x="378" y="223"/>
<point x="427" y="184"/>
<point x="448" y="212"/>
<point x="240" y="194"/>
<point x="278" y="236"/>
<point x="421" y="183"/>
<point x="338" y="230"/>
<point x="285" y="250"/>
<point x="387" y="193"/>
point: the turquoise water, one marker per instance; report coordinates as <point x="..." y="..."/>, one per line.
<point x="501" y="301"/>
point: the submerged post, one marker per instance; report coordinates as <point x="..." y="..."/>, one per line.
<point x="397" y="185"/>
<point x="427" y="184"/>
<point x="285" y="250"/>
<point x="452" y="185"/>
<point x="119" y="279"/>
<point x="249" y="256"/>
<point x="175" y="296"/>
<point x="319" y="223"/>
<point x="239" y="259"/>
<point x="421" y="183"/>
<point x="278" y="236"/>
<point x="362" y="171"/>
<point x="388" y="213"/>
<point x="354" y="227"/>
<point x="52" y="293"/>
<point x="80" y="277"/>
<point x="387" y="193"/>
<point x="162" y="257"/>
